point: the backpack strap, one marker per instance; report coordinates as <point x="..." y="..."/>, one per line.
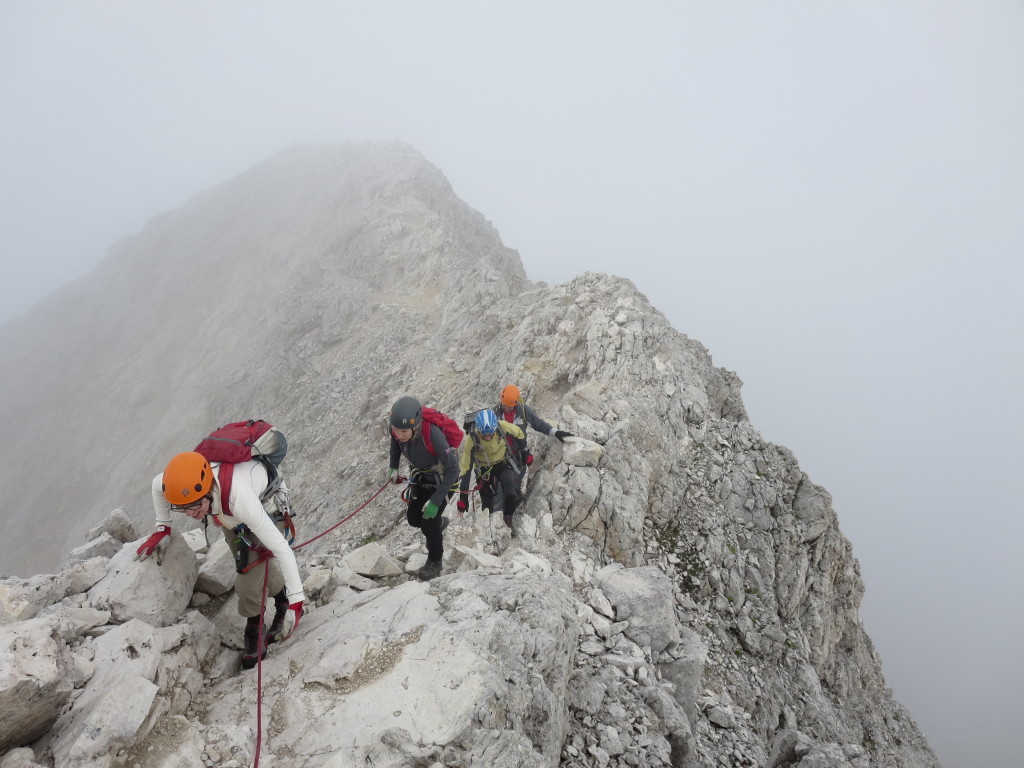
<point x="483" y="471"/>
<point x="225" y="473"/>
<point x="511" y="451"/>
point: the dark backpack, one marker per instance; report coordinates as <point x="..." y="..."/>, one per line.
<point x="244" y="441"/>
<point x="446" y="424"/>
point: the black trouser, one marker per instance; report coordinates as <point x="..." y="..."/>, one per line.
<point x="431" y="528"/>
<point x="502" y="482"/>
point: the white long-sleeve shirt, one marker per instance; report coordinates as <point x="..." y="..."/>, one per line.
<point x="248" y="482"/>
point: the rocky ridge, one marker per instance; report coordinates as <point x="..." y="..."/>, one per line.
<point x="679" y="592"/>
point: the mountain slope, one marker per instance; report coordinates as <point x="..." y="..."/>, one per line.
<point x="288" y="292"/>
<point x="697" y="600"/>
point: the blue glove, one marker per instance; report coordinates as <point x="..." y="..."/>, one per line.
<point x="430" y="510"/>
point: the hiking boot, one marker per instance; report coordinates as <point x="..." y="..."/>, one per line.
<point x="276" y="626"/>
<point x="430" y="570"/>
<point x="280" y="611"/>
<point x="250" y="654"/>
<point x="444" y="523"/>
<point x="507" y="517"/>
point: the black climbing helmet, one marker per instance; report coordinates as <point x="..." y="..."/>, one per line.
<point x="406" y="413"/>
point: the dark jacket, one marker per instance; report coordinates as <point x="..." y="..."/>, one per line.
<point x="441" y="470"/>
<point x="524" y="416"/>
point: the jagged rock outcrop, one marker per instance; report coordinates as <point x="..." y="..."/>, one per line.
<point x="678" y="594"/>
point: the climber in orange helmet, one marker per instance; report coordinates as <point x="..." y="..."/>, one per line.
<point x="190" y="485"/>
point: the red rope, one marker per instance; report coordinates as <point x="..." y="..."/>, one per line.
<point x="259" y="667"/>
<point x="265" y="559"/>
<point x="266" y="554"/>
<point x="345" y="519"/>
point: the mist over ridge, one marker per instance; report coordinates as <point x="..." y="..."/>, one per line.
<point x="318" y="286"/>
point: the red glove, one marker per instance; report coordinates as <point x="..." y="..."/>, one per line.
<point x="291" y="622"/>
<point x="463" y="503"/>
<point x="529" y="459"/>
<point x="149" y="545"/>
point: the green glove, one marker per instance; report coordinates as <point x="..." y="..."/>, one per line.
<point x="391" y="475"/>
<point x="430" y="510"/>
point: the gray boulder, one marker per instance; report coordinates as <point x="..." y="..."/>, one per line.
<point x="117" y="524"/>
<point x="103" y="545"/>
<point x="643" y="597"/>
<point x="37" y="676"/>
<point x="217" y="573"/>
<point x="156" y="590"/>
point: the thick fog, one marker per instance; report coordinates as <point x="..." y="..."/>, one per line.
<point x="827" y="195"/>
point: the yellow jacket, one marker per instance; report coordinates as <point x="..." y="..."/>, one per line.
<point x="489" y="452"/>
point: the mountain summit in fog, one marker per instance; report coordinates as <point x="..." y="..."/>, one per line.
<point x="679" y="594"/>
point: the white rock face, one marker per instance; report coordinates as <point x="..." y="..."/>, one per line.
<point x="118" y="524"/>
<point x="677" y="591"/>
<point x="153" y="590"/>
<point x="217" y="573"/>
<point x="373" y="560"/>
<point x="104" y="545"/>
<point x="36" y="679"/>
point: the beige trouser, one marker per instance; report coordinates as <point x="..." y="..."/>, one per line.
<point x="249" y="586"/>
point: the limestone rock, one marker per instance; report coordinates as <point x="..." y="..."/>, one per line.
<point x="643" y="597"/>
<point x="580" y="452"/>
<point x="117" y="524"/>
<point x="103" y="545"/>
<point x="82" y="576"/>
<point x="678" y="593"/>
<point x="19" y="758"/>
<point x="36" y="679"/>
<point x="156" y="591"/>
<point x="373" y="560"/>
<point x="217" y="573"/>
<point x="197" y="540"/>
<point x="344" y="575"/>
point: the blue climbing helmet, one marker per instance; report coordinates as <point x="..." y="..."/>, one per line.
<point x="486" y="422"/>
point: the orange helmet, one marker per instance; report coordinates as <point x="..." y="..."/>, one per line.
<point x="510" y="395"/>
<point x="187" y="478"/>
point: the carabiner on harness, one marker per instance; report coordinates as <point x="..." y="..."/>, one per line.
<point x="243" y="545"/>
<point x="289" y="526"/>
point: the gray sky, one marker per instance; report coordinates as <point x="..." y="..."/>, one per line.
<point x="827" y="195"/>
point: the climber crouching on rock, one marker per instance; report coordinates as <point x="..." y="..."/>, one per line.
<point x="190" y="486"/>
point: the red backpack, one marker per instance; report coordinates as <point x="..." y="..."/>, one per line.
<point x="446" y="424"/>
<point x="243" y="441"/>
